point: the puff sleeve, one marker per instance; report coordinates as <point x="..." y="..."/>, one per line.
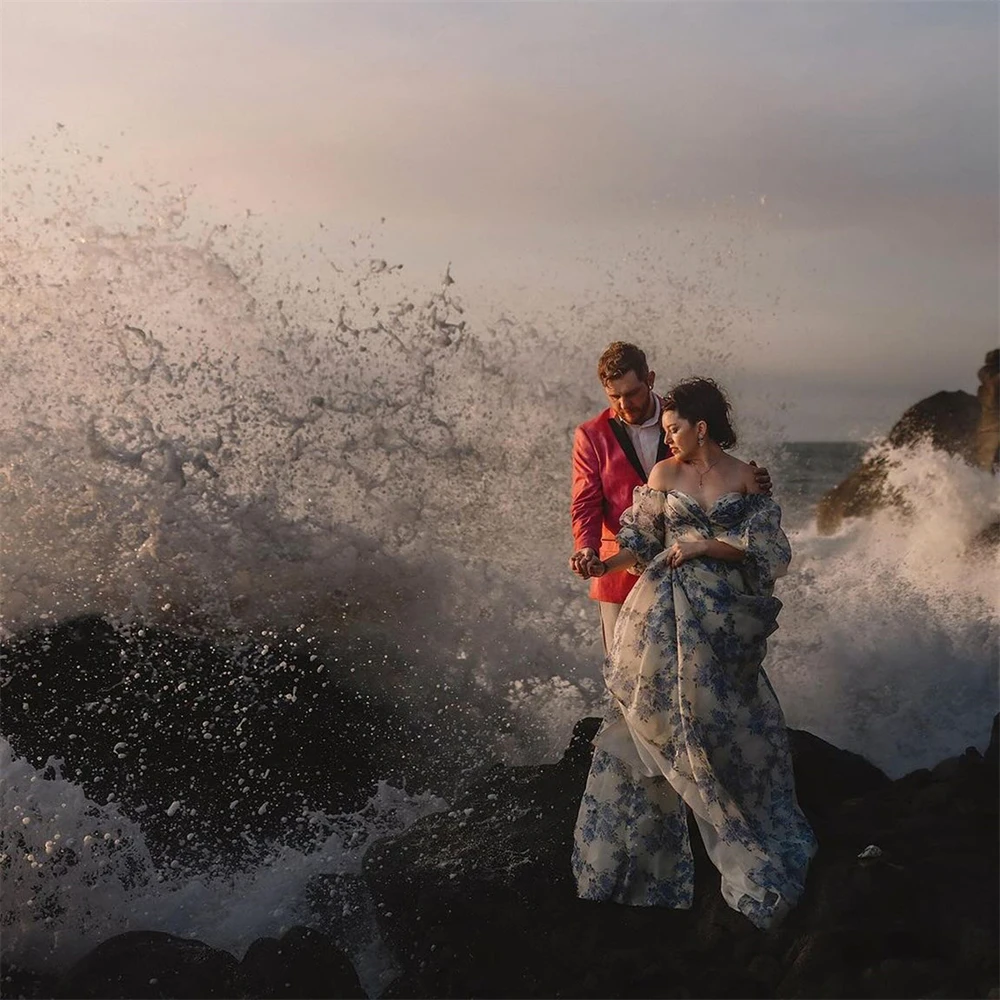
<point x="758" y="533"/>
<point x="643" y="527"/>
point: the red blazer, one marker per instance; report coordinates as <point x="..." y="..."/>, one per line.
<point x="606" y="470"/>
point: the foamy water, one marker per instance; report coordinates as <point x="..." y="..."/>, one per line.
<point x="76" y="872"/>
<point x="888" y="637"/>
<point x="198" y="437"/>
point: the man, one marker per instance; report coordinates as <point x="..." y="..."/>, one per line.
<point x="612" y="454"/>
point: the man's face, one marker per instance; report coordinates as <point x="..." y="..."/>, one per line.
<point x="631" y="397"/>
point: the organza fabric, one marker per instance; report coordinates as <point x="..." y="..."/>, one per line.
<point x="694" y="721"/>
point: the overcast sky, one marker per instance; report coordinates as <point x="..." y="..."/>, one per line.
<point x="842" y="157"/>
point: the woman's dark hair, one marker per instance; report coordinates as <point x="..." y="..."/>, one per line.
<point x="697" y="399"/>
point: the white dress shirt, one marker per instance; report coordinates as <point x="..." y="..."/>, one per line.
<point x="646" y="438"/>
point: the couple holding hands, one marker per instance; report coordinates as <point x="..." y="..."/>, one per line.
<point x="682" y="544"/>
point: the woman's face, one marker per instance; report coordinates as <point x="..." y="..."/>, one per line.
<point x="681" y="434"/>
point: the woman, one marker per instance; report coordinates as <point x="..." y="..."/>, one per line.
<point x="693" y="719"/>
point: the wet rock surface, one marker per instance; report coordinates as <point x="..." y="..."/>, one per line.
<point x="957" y="423"/>
<point x="988" y="431"/>
<point x="949" y="419"/>
<point x="243" y="738"/>
<point x="479" y="901"/>
<point x="149" y="964"/>
<point x="302" y="963"/>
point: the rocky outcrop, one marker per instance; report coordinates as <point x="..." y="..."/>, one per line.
<point x="954" y="422"/>
<point x="902" y="898"/>
<point x="241" y="737"/>
<point x="151" y="964"/>
<point x="863" y="492"/>
<point x="988" y="431"/>
<point x="478" y="901"/>
<point x="948" y="419"/>
<point x="301" y="963"/>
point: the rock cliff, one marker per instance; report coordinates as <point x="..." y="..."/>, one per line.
<point x="954" y="422"/>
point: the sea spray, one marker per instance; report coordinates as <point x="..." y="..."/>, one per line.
<point x="889" y="635"/>
<point x="76" y="872"/>
<point x="198" y="437"/>
<point x="68" y="863"/>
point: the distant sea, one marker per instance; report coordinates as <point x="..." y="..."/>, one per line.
<point x="802" y="471"/>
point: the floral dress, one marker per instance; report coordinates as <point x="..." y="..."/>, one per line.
<point x="694" y="721"/>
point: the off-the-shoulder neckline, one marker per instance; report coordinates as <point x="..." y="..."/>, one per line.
<point x="704" y="510"/>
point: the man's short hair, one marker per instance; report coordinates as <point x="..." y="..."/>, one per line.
<point x="619" y="359"/>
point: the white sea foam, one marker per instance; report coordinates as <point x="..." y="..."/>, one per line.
<point x="76" y="872"/>
<point x="888" y="638"/>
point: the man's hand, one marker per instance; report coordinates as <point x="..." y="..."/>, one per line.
<point x="583" y="562"/>
<point x="763" y="478"/>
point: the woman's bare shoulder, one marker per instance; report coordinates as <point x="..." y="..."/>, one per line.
<point x="746" y="474"/>
<point x="663" y="475"/>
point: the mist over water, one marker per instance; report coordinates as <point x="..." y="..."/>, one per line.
<point x="199" y="436"/>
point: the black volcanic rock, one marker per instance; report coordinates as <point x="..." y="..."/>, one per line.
<point x="25" y="984"/>
<point x="460" y="883"/>
<point x="992" y="753"/>
<point x="302" y="963"/>
<point x="950" y="420"/>
<point x="825" y="776"/>
<point x="988" y="431"/>
<point x="244" y="736"/>
<point x="479" y="901"/>
<point x="141" y="964"/>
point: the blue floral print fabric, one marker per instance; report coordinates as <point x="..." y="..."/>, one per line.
<point x="694" y="721"/>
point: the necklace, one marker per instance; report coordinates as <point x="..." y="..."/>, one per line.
<point x="701" y="475"/>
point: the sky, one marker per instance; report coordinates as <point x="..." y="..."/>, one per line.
<point x="827" y="171"/>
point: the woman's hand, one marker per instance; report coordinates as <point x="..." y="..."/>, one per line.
<point x="594" y="567"/>
<point x="598" y="568"/>
<point x="682" y="552"/>
<point x="585" y="563"/>
<point x="580" y="560"/>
